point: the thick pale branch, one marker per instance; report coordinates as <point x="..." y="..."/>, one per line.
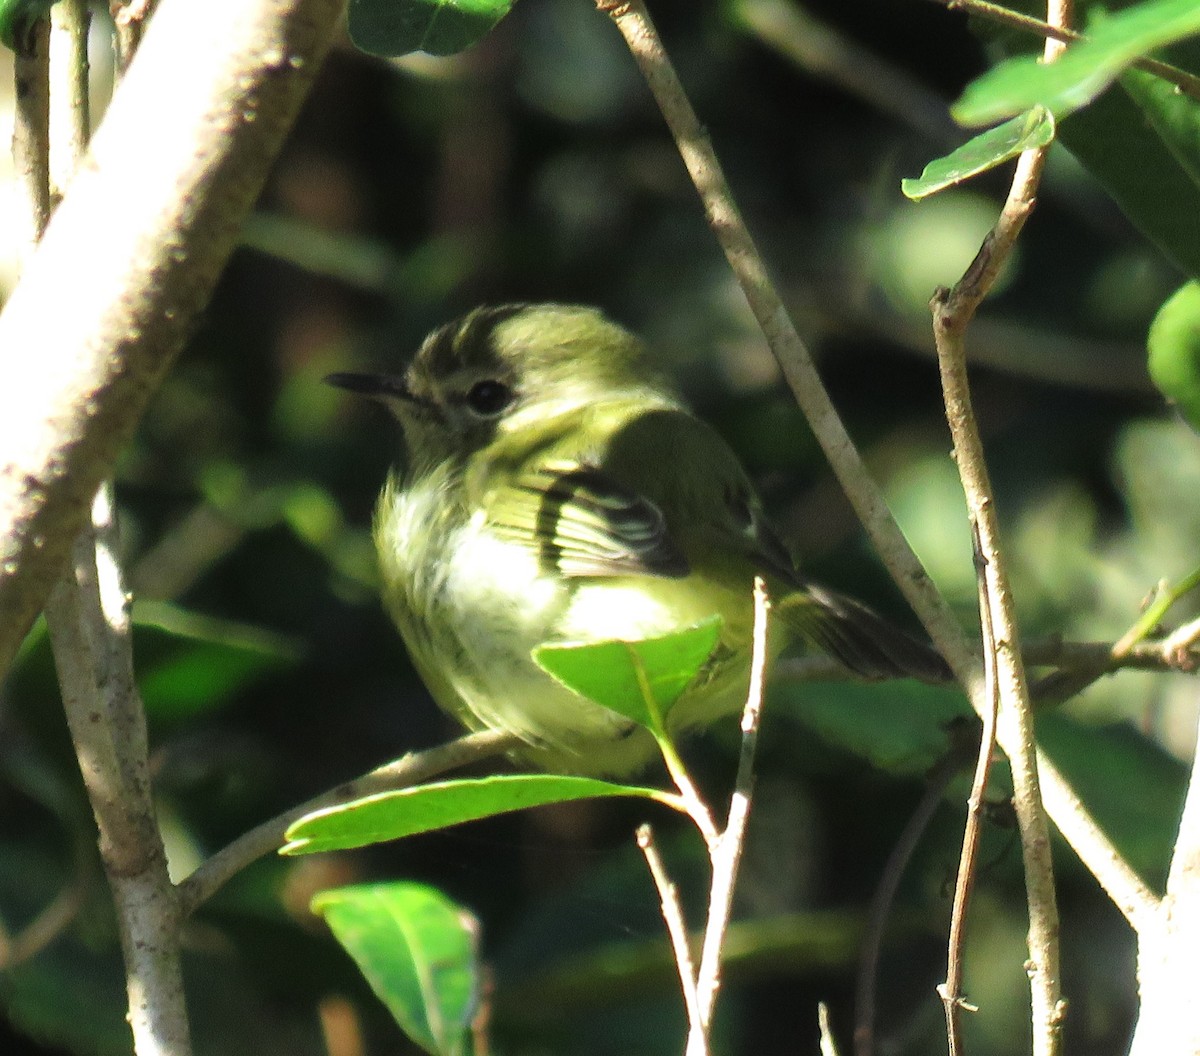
<point x="139" y="242"/>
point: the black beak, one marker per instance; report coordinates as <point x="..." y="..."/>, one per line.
<point x="376" y="386"/>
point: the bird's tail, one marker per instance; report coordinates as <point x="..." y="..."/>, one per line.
<point x="858" y="637"/>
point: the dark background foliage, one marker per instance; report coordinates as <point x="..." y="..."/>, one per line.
<point x="535" y="167"/>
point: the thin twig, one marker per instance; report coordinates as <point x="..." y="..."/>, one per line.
<point x="31" y="133"/>
<point x="1155" y="611"/>
<point x="864" y="494"/>
<point x="1177" y="647"/>
<point x="70" y="105"/>
<point x="952" y="313"/>
<point x="1178" y="651"/>
<point x="936" y="783"/>
<point x="49" y="923"/>
<point x="796" y="363"/>
<point x="672" y="913"/>
<point x="129" y="22"/>
<point x="408" y="770"/>
<point x="951" y="990"/>
<point x="727" y="854"/>
<point x="1186" y="82"/>
<point x="828" y="1045"/>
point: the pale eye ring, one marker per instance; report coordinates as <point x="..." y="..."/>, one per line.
<point x="489" y="398"/>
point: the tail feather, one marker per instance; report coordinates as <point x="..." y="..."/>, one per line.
<point x="860" y="638"/>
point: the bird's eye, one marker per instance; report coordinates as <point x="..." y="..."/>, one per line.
<point x="488" y="398"/>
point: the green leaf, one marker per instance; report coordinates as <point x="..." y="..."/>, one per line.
<point x="1035" y="128"/>
<point x="900" y="731"/>
<point x="17" y="16"/>
<point x="426" y="808"/>
<point x="419" y="952"/>
<point x="1084" y="70"/>
<point x="1131" y="786"/>
<point x="439" y="27"/>
<point x="1174" y="347"/>
<point x="1118" y="140"/>
<point x="618" y="675"/>
<point x="189" y="663"/>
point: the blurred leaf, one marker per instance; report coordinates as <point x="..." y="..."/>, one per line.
<point x="419" y="952"/>
<point x="1130" y="785"/>
<point x="438" y="27"/>
<point x="1174" y="347"/>
<point x="72" y="994"/>
<point x="189" y="663"/>
<point x="16" y="16"/>
<point x="619" y="675"/>
<point x="899" y="728"/>
<point x="311" y="512"/>
<point x="426" y="808"/>
<point x="1034" y="128"/>
<point x="1083" y="71"/>
<point x="1117" y="139"/>
<point x="818" y="940"/>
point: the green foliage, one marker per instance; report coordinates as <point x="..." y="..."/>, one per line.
<point x="642" y="679"/>
<point x="1174" y="346"/>
<point x="534" y="168"/>
<point x="1035" y="128"/>
<point x="1152" y="177"/>
<point x="16" y="16"/>
<point x="1084" y="70"/>
<point x="1132" y="787"/>
<point x="418" y="950"/>
<point x="426" y="808"/>
<point x="439" y="27"/>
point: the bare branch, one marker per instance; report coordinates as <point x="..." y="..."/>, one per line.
<point x="672" y="913"/>
<point x="864" y="494"/>
<point x="727" y="854"/>
<point x="952" y="313"/>
<point x="88" y="619"/>
<point x="31" y="136"/>
<point x="951" y="990"/>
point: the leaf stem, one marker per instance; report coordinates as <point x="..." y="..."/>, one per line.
<point x="1186" y="82"/>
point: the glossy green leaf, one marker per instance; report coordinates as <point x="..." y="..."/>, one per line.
<point x="619" y="675"/>
<point x="426" y="808"/>
<point x="985" y="151"/>
<point x="1174" y="347"/>
<point x="1084" y="70"/>
<point x="438" y="27"/>
<point x="419" y="952"/>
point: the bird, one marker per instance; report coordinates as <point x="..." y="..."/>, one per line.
<point x="555" y="489"/>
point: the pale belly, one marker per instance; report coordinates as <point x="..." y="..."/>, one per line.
<point x="492" y="604"/>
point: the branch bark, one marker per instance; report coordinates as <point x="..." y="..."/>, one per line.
<point x="139" y="242"/>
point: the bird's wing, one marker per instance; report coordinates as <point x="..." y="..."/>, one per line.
<point x="582" y="522"/>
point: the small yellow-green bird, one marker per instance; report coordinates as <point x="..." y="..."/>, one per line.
<point x="556" y="489"/>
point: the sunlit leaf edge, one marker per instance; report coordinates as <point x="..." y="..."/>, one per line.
<point x="454" y="802"/>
